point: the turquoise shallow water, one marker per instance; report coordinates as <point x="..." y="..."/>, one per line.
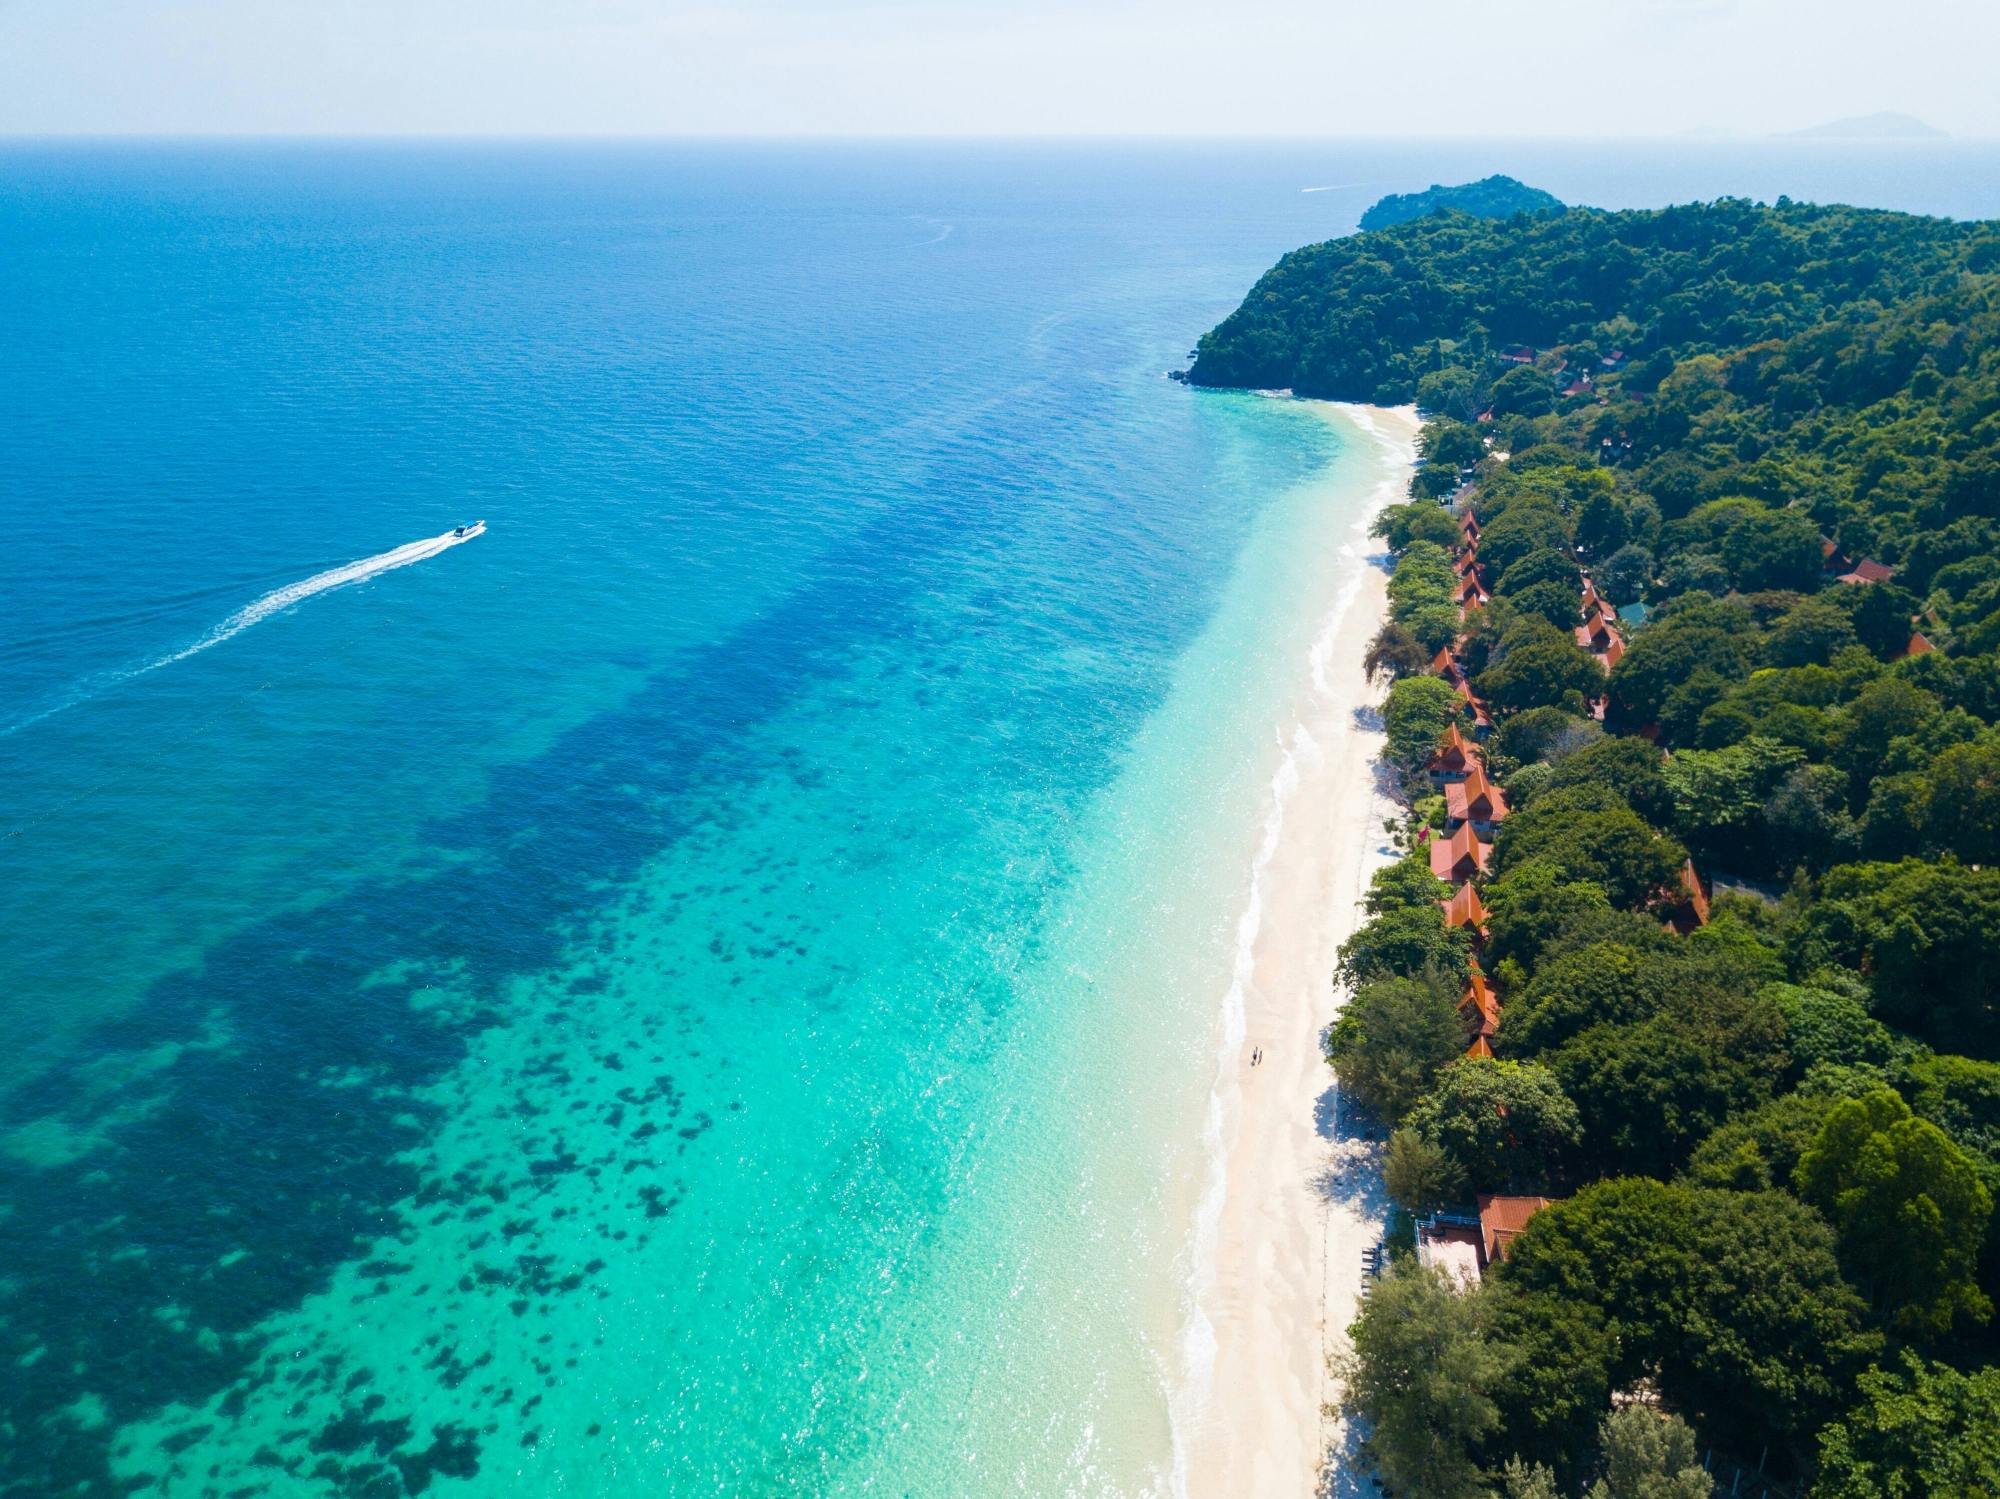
<point x="710" y="986"/>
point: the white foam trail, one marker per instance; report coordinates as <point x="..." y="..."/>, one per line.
<point x="1332" y="187"/>
<point x="270" y="604"/>
<point x="335" y="577"/>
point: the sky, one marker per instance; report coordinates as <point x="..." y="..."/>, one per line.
<point x="1314" y="68"/>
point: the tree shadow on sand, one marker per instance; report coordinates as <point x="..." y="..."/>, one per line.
<point x="1349" y="1183"/>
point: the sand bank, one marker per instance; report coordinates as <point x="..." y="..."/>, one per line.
<point x="1278" y="1265"/>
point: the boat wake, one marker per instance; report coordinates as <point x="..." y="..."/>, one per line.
<point x="334" y="577"/>
<point x="277" y="600"/>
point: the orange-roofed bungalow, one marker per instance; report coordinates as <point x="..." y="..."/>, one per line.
<point x="1445" y="664"/>
<point x="1468" y="528"/>
<point x="1470" y="594"/>
<point x="1475" y="800"/>
<point x="1451" y="759"/>
<point x="1460" y="857"/>
<point x="1482" y="721"/>
<point x="1595" y="633"/>
<point x="1479" y="1008"/>
<point x="1466" y="909"/>
<point x="1612" y="654"/>
<point x="1480" y="1047"/>
<point x="1501" y="1220"/>
<point x="1593" y="602"/>
<point x="1919" y="645"/>
<point x="1868" y="570"/>
<point x="1692" y="912"/>
<point x="1468" y="561"/>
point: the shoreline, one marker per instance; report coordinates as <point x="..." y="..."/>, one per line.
<point x="1292" y="1201"/>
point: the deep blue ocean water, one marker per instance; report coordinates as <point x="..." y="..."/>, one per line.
<point x="704" y="988"/>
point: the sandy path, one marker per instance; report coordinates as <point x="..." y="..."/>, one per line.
<point x="1303" y="1198"/>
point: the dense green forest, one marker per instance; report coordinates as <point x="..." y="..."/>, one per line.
<point x="1494" y="197"/>
<point x="1761" y="446"/>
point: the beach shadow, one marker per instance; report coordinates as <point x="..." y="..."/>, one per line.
<point x="1344" y="1472"/>
<point x="1349" y="1181"/>
<point x="1368" y="717"/>
<point x="1351" y="1175"/>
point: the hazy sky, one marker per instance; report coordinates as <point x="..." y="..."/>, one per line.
<point x="930" y="67"/>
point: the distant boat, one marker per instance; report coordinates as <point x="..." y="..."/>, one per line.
<point x="472" y="530"/>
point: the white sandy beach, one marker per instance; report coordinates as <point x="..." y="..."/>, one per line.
<point x="1277" y="1284"/>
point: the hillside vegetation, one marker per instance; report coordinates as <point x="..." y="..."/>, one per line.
<point x="1493" y="197"/>
<point x="1742" y="915"/>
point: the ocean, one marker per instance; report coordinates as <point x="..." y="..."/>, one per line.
<point x="713" y="985"/>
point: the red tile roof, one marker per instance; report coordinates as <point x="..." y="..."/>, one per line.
<point x="1692" y="912"/>
<point x="1453" y="753"/>
<point x="1868" y="570"/>
<point x="1501" y="1220"/>
<point x="1459" y="857"/>
<point x="1918" y="645"/>
<point x="1465" y="908"/>
<point x="1478" y="1006"/>
<point x="1475" y="799"/>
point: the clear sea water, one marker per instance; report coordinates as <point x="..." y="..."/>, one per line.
<point x="711" y="986"/>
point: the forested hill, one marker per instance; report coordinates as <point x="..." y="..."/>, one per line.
<point x="1365" y="317"/>
<point x="1693" y="961"/>
<point x="1494" y="197"/>
<point x="1843" y="360"/>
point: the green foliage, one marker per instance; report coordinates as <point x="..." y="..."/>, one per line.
<point x="1507" y="1125"/>
<point x="1421" y="1374"/>
<point x="1415" y="715"/>
<point x="1519" y="1480"/>
<point x="1773" y="549"/>
<point x="1732" y="1300"/>
<point x="1495" y="197"/>
<point x="1402" y="942"/>
<point x="1924" y="932"/>
<point x="1959" y="1095"/>
<point x="1624" y="577"/>
<point x="1823" y="1027"/>
<point x="1395" y="652"/>
<point x="1552" y="1400"/>
<point x="1536" y="664"/>
<point x="1405" y="885"/>
<point x="1420" y="1175"/>
<point x="1628" y="767"/>
<point x="1649" y="1092"/>
<point x="1529" y="906"/>
<point x="1921" y="1431"/>
<point x="1420" y="520"/>
<point x="1757" y="1151"/>
<point x="1586" y="985"/>
<point x="1523" y="530"/>
<point x="1670" y="652"/>
<point x="1542" y="732"/>
<point x="1812" y="633"/>
<point x="1910" y="1209"/>
<point x="1649" y="1455"/>
<point x="1392" y="1038"/>
<point x="1589" y="834"/>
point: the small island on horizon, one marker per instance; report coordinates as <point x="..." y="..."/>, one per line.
<point x="1495" y="197"/>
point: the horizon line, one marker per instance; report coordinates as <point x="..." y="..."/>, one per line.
<point x="1693" y="136"/>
